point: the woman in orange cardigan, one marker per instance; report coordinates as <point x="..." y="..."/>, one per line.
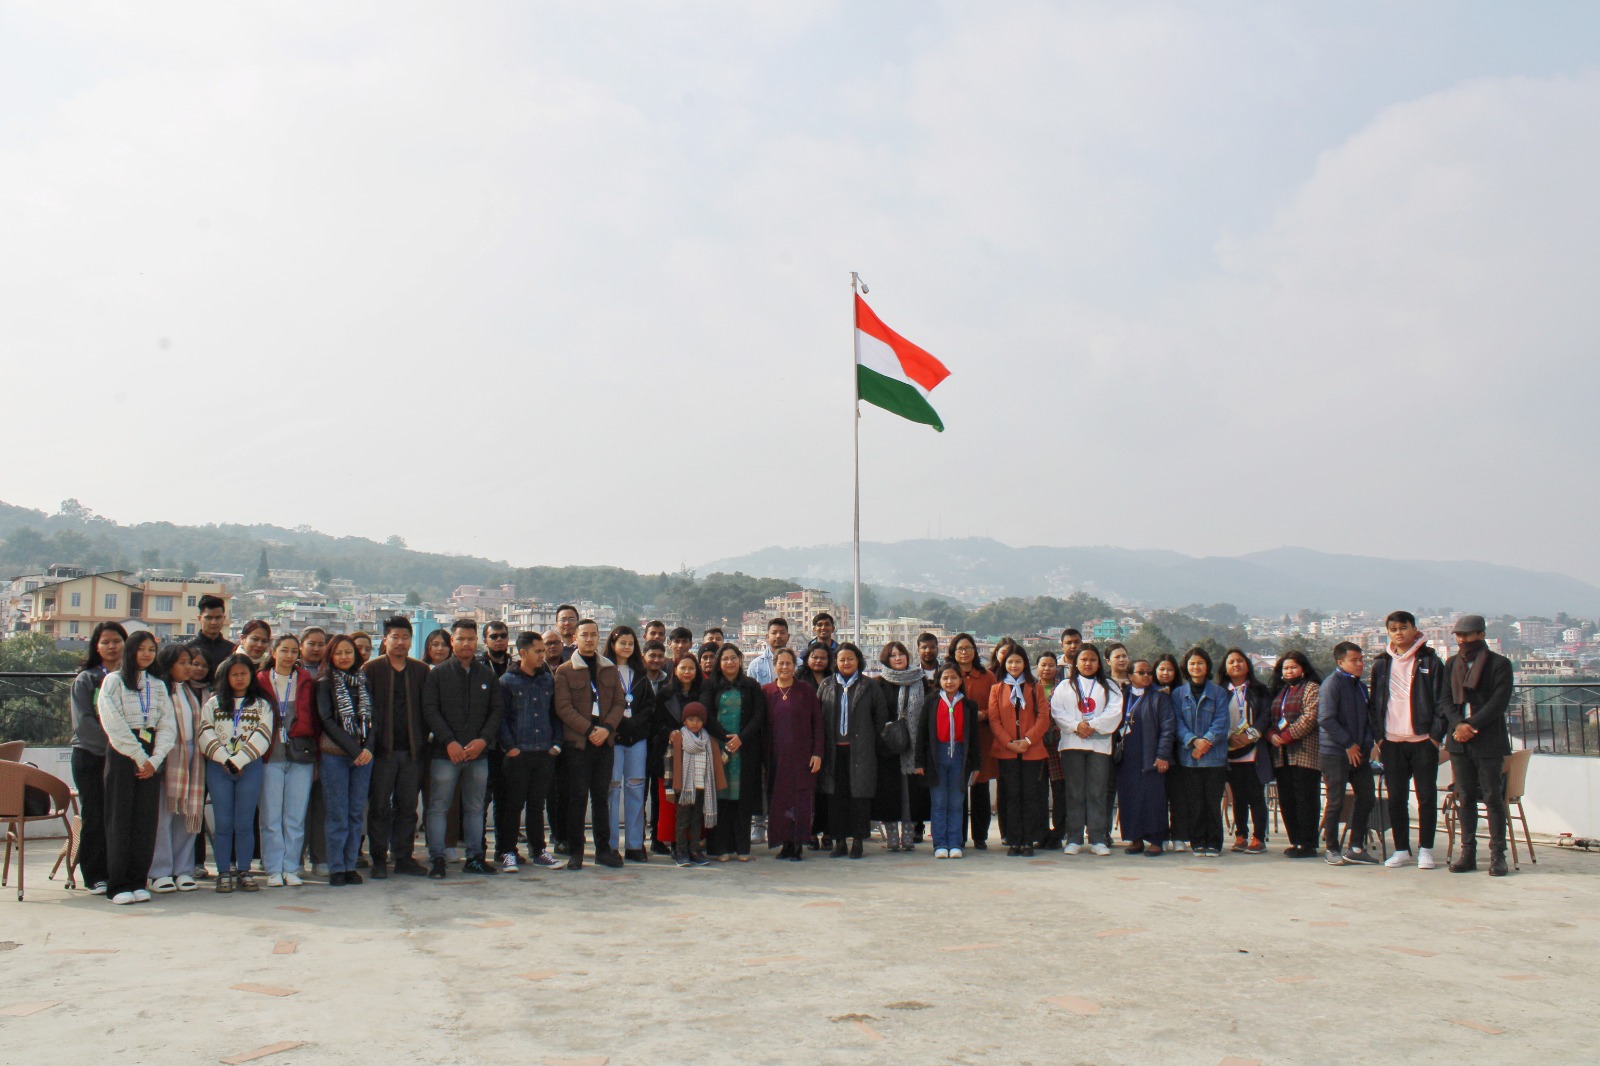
<point x="1018" y="720"/>
<point x="975" y="684"/>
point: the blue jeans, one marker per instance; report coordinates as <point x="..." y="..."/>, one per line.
<point x="344" y="795"/>
<point x="627" y="781"/>
<point x="949" y="795"/>
<point x="285" y="792"/>
<point x="233" y="810"/>
<point x="442" y="778"/>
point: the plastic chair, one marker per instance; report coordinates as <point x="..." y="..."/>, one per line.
<point x="1516" y="776"/>
<point x="11" y="750"/>
<point x="15" y="779"/>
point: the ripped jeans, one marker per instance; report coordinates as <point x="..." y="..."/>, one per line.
<point x="627" y="785"/>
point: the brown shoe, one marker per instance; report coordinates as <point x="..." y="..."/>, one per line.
<point x="247" y="883"/>
<point x="1152" y="849"/>
<point x="224" y="881"/>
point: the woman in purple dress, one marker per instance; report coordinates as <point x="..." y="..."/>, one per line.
<point x="794" y="723"/>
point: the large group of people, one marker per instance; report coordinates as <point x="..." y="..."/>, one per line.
<point x="320" y="750"/>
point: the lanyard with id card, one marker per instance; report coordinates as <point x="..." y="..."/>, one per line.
<point x="147" y="736"/>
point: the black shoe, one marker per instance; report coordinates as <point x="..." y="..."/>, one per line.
<point x="1466" y="862"/>
<point x="1027" y="853"/>
<point x="437" y="871"/>
<point x="575" y="862"/>
<point x="1013" y="851"/>
<point x="856" y="849"/>
<point x="609" y="858"/>
<point x="336" y="880"/>
<point x="658" y="848"/>
<point x="1497" y="863"/>
<point x="698" y="858"/>
<point x="680" y="858"/>
<point x="840" y="850"/>
<point x="981" y="845"/>
<point x="361" y="863"/>
<point x="352" y="878"/>
<point x="636" y="855"/>
<point x="799" y="854"/>
<point x="561" y="847"/>
<point x="380" y="871"/>
<point x="476" y="865"/>
<point x="410" y="867"/>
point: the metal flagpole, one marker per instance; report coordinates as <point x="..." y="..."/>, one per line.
<point x="856" y="285"/>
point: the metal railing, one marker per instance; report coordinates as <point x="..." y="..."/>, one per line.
<point x="36" y="707"/>
<point x="1556" y="717"/>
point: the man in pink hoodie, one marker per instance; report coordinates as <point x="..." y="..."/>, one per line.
<point x="1409" y="691"/>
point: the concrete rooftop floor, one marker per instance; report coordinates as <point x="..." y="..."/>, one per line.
<point x="894" y="958"/>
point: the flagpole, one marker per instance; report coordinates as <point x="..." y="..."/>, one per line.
<point x="856" y="286"/>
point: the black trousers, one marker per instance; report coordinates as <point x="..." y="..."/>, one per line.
<point x="555" y="805"/>
<point x="980" y="809"/>
<point x="1481" y="779"/>
<point x="588" y="784"/>
<point x="1336" y="774"/>
<point x="392" y="806"/>
<point x="847" y="815"/>
<point x="131" y="809"/>
<point x="1249" y="799"/>
<point x="317" y="823"/>
<point x="1022" y="799"/>
<point x="1405" y="762"/>
<point x="88" y="774"/>
<point x="1300" y="800"/>
<point x="524" y="786"/>
<point x="691" y="823"/>
<point x="1197" y="805"/>
<point x="731" y="834"/>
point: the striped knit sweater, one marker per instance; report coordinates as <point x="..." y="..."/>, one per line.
<point x="217" y="738"/>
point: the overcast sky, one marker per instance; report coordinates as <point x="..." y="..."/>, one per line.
<point x="569" y="283"/>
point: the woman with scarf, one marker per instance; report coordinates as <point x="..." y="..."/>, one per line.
<point x="235" y="733"/>
<point x="1018" y="721"/>
<point x="291" y="764"/>
<point x="737" y="713"/>
<point x="136" y="713"/>
<point x="1149" y="733"/>
<point x="89" y="751"/>
<point x="255" y="643"/>
<point x="683" y="690"/>
<point x="901" y="800"/>
<point x="794" y="754"/>
<point x="1296" y="758"/>
<point x="349" y="737"/>
<point x="1249" y="767"/>
<point x="1088" y="708"/>
<point x="976" y="683"/>
<point x="182" y="809"/>
<point x="853" y="715"/>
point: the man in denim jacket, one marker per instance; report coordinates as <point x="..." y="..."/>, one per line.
<point x="530" y="738"/>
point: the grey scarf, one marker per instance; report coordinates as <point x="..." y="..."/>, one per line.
<point x="698" y="773"/>
<point x="908" y="705"/>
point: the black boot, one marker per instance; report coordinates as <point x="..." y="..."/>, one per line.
<point x="1497" y="862"/>
<point x="856" y="849"/>
<point x="1467" y="860"/>
<point x="839" y="849"/>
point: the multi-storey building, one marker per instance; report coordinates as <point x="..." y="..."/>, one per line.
<point x="71" y="608"/>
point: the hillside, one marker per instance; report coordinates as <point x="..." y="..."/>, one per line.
<point x="1279" y="581"/>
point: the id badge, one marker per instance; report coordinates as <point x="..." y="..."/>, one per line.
<point x="1283" y="723"/>
<point x="627" y="711"/>
<point x="146" y="736"/>
<point x="595" y="710"/>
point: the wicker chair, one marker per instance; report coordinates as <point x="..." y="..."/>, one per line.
<point x="15" y="780"/>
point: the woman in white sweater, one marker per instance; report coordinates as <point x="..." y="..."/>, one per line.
<point x="136" y="713"/>
<point x="1087" y="705"/>
<point x="235" y="733"/>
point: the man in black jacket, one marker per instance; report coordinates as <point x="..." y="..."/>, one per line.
<point x="1480" y="692"/>
<point x="1409" y="691"/>
<point x="395" y="681"/>
<point x="461" y="704"/>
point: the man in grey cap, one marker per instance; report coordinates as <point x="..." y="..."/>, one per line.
<point x="1480" y="692"/>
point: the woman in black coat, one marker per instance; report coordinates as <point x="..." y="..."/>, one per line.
<point x="736" y="715"/>
<point x="853" y="714"/>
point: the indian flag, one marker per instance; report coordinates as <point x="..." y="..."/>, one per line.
<point x="892" y="373"/>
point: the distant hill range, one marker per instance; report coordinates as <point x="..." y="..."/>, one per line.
<point x="1283" y="580"/>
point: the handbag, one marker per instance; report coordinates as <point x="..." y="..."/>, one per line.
<point x="302" y="749"/>
<point x="895" y="739"/>
<point x="1242" y="737"/>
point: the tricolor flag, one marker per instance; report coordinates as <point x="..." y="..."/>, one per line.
<point x="892" y="373"/>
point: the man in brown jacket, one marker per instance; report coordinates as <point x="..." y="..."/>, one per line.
<point x="590" y="703"/>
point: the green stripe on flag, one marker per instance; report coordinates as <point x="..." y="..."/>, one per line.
<point x="896" y="397"/>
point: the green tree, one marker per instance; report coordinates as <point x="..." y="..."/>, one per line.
<point x="35" y="709"/>
<point x="324" y="575"/>
<point x="263" y="571"/>
<point x="150" y="559"/>
<point x="1148" y="642"/>
<point x="413" y="598"/>
<point x="26" y="547"/>
<point x="70" y="546"/>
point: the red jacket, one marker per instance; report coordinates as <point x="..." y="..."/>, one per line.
<point x="305" y="722"/>
<point x="1004" y="719"/>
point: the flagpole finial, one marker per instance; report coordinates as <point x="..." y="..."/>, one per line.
<point x="857" y="283"/>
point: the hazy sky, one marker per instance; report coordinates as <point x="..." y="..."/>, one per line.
<point x="568" y="283"/>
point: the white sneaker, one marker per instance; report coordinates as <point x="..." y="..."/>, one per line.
<point x="141" y="895"/>
<point x="1072" y="848"/>
<point x="122" y="899"/>
<point x="97" y="889"/>
<point x="1398" y="859"/>
<point x="274" y="880"/>
<point x="1425" y="859"/>
<point x="941" y="853"/>
<point x="1099" y="849"/>
<point x="1182" y="845"/>
<point x="292" y="880"/>
<point x="955" y="853"/>
<point x="508" y="862"/>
